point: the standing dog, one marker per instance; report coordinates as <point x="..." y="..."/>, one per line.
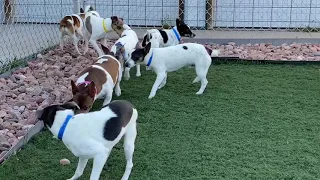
<point x="73" y="26"/>
<point x="127" y="42"/>
<point x="167" y="37"/>
<point x="172" y="58"/>
<point x="94" y="134"/>
<point x="97" y="28"/>
<point x="97" y="82"/>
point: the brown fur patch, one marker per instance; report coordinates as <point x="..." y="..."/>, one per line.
<point x="65" y="23"/>
<point x="111" y="66"/>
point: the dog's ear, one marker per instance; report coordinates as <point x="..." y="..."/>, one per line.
<point x="147" y="48"/>
<point x="81" y="10"/>
<point x="71" y="105"/>
<point x="114" y="19"/>
<point x="91" y="8"/>
<point x="105" y="49"/>
<point x="74" y="87"/>
<point x="39" y="114"/>
<point x="92" y="89"/>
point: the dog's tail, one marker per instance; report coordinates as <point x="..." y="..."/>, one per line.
<point x="212" y="53"/>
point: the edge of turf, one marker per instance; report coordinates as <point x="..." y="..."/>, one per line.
<point x="23" y="141"/>
<point x="215" y="60"/>
<point x="237" y="60"/>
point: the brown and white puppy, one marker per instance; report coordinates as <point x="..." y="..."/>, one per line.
<point x="73" y="26"/>
<point x="97" y="81"/>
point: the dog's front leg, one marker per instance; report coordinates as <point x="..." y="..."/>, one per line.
<point x="79" y="171"/>
<point x="98" y="162"/>
<point x="96" y="47"/>
<point x="164" y="81"/>
<point x="75" y="43"/>
<point x="126" y="75"/>
<point x="86" y="42"/>
<point x="160" y="77"/>
<point x="138" y="73"/>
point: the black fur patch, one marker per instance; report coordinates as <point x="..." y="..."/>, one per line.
<point x="185" y="47"/>
<point x="49" y="113"/>
<point x="164" y="35"/>
<point x="113" y="126"/>
<point x="88" y="25"/>
<point x="144" y="42"/>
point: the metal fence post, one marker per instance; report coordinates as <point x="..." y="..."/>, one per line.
<point x="76" y="6"/>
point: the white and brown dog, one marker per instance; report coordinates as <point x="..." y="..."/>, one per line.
<point x="93" y="135"/>
<point x="74" y="27"/>
<point x="126" y="43"/>
<point x="173" y="58"/>
<point x="97" y="28"/>
<point x="98" y="81"/>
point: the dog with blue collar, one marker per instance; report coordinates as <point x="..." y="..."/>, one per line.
<point x="93" y="135"/>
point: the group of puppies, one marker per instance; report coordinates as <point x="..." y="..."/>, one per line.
<point x="93" y="134"/>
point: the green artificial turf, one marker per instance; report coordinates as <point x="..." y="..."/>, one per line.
<point x="252" y="122"/>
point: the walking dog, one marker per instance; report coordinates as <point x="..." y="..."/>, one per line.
<point x="73" y="26"/>
<point x="167" y="37"/>
<point x="94" y="134"/>
<point x="127" y="42"/>
<point x="173" y="58"/>
<point x="98" y="81"/>
<point x="97" y="28"/>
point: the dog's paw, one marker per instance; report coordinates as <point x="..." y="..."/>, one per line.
<point x="199" y="93"/>
<point x="150" y="97"/>
<point x="118" y="93"/>
<point x="126" y="78"/>
<point x="138" y="75"/>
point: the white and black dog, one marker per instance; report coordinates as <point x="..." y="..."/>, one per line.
<point x="167" y="37"/>
<point x="94" y="134"/>
<point x="172" y="58"/>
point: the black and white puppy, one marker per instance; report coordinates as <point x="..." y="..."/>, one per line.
<point x="93" y="134"/>
<point x="173" y="58"/>
<point x="167" y="37"/>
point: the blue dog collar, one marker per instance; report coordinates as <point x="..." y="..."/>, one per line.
<point x="63" y="127"/>
<point x="150" y="60"/>
<point x="177" y="34"/>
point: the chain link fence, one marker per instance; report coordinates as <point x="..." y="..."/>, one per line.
<point x="31" y="26"/>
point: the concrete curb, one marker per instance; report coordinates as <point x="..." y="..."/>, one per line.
<point x="23" y="141"/>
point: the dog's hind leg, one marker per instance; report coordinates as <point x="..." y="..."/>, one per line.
<point x="61" y="41"/>
<point x="202" y="75"/>
<point x="129" y="140"/>
<point x="79" y="171"/>
<point x="98" y="162"/>
<point x="108" y="98"/>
